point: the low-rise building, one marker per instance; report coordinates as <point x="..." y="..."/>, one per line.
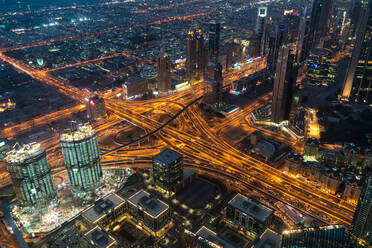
<point x="353" y="188"/>
<point x="96" y="108"/>
<point x="268" y="239"/>
<point x="330" y="180"/>
<point x="106" y="212"/>
<point x="134" y="87"/>
<point x="294" y="163"/>
<point x="351" y="155"/>
<point x="99" y="238"/>
<point x="248" y="214"/>
<point x="149" y="211"/>
<point x="329" y="157"/>
<point x="311" y="147"/>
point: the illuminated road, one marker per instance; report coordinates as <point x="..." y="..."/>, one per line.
<point x="11" y="132"/>
<point x="197" y="141"/>
<point x="222" y="154"/>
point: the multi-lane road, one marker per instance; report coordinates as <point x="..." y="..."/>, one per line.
<point x="203" y="144"/>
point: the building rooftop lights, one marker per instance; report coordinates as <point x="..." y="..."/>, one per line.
<point x="19" y="155"/>
<point x="80" y="133"/>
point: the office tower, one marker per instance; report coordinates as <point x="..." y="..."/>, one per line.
<point x="301" y="39"/>
<point x="358" y="80"/>
<point x="200" y="54"/>
<point x="355" y="14"/>
<point x="284" y="82"/>
<point x="319" y="24"/>
<point x="249" y="214"/>
<point x="82" y="158"/>
<point x="277" y="38"/>
<point x="96" y="108"/>
<point x="214" y="39"/>
<point x="152" y="213"/>
<point x="217" y="84"/>
<point x="362" y="221"/>
<point x="163" y="68"/>
<point x="315" y="237"/>
<point x="195" y="55"/>
<point x="191" y="55"/>
<point x="261" y="29"/>
<point x="167" y="168"/>
<point x="31" y="176"/>
<point x="320" y="70"/>
<point x="293" y="33"/>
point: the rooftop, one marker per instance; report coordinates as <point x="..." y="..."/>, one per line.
<point x="100" y="238"/>
<point x="103" y="206"/>
<point x="167" y="156"/>
<point x="152" y="206"/>
<point x="251" y="207"/>
<point x="81" y="132"/>
<point x="268" y="239"/>
<point x="264" y="148"/>
<point x="22" y="153"/>
<point x="213" y="238"/>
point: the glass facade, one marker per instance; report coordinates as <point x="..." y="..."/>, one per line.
<point x="320" y="237"/>
<point x="362" y="222"/>
<point x="320" y="70"/>
<point x="31" y="177"/>
<point x="167" y="170"/>
<point x="82" y="159"/>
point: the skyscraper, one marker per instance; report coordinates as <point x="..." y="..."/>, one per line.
<point x="167" y="169"/>
<point x="320" y="70"/>
<point x="82" y="158"/>
<point x="195" y="55"/>
<point x="217" y="84"/>
<point x="277" y="38"/>
<point x="358" y="80"/>
<point x="320" y="16"/>
<point x="284" y="82"/>
<point x="261" y="29"/>
<point x="362" y="221"/>
<point x="31" y="176"/>
<point x="163" y="69"/>
<point x="214" y="39"/>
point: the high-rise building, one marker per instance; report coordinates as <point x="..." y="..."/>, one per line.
<point x="320" y="16"/>
<point x="355" y="14"/>
<point x="302" y="36"/>
<point x="201" y="57"/>
<point x="293" y="33"/>
<point x="284" y="83"/>
<point x="31" y="176"/>
<point x="214" y="39"/>
<point x="320" y="70"/>
<point x="277" y="38"/>
<point x="195" y="55"/>
<point x="96" y="108"/>
<point x="82" y="158"/>
<point x="261" y="29"/>
<point x="318" y="237"/>
<point x="163" y="68"/>
<point x="362" y="221"/>
<point x="218" y="84"/>
<point x="167" y="168"/>
<point x="358" y="80"/>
